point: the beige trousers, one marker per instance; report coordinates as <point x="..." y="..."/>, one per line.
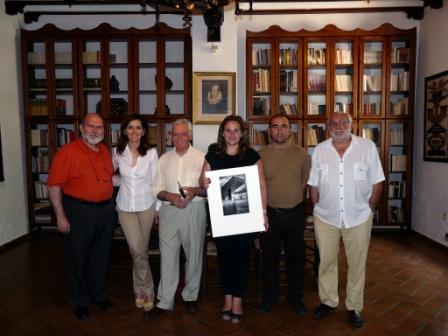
<point x="137" y="229"/>
<point x="356" y="244"/>
<point x="186" y="228"/>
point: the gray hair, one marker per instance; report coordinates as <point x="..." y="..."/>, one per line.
<point x="349" y="117"/>
<point x="183" y="121"/>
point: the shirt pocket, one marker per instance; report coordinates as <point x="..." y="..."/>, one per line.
<point x="323" y="173"/>
<point x="360" y="172"/>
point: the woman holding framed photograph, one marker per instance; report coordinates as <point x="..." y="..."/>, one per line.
<point x="232" y="151"/>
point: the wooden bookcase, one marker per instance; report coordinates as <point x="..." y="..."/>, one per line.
<point x="112" y="72"/>
<point x="369" y="74"/>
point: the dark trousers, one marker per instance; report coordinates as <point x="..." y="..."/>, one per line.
<point x="87" y="249"/>
<point x="233" y="262"/>
<point x="286" y="226"/>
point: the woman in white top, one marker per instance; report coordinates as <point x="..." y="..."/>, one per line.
<point x="137" y="165"/>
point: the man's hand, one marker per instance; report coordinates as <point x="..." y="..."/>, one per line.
<point x="63" y="225"/>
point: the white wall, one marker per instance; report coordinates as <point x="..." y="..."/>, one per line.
<point x="430" y="188"/>
<point x="13" y="213"/>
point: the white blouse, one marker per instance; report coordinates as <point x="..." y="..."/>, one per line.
<point x="136" y="183"/>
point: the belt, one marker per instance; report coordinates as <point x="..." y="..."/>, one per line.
<point x="284" y="210"/>
<point x="78" y="200"/>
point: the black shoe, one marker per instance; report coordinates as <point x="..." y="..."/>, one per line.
<point x="191" y="307"/>
<point x="105" y="305"/>
<point x="322" y="311"/>
<point x="82" y="313"/>
<point x="153" y="313"/>
<point x="355" y="318"/>
<point x="265" y="307"/>
<point x="298" y="307"/>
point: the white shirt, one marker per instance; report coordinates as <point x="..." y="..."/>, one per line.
<point x="345" y="184"/>
<point x="136" y="183"/>
<point x="173" y="168"/>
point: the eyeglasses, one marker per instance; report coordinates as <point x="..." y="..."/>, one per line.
<point x="181" y="135"/>
<point x="342" y="123"/>
<point x="103" y="168"/>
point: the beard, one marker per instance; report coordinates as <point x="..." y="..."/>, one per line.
<point x="93" y="139"/>
<point x="337" y="135"/>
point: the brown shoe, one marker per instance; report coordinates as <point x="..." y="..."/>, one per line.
<point x="153" y="313"/>
<point x="191" y="307"/>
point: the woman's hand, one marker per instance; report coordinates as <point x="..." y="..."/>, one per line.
<point x="205" y="182"/>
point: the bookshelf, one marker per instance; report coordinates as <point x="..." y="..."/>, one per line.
<point x="113" y="72"/>
<point x="369" y="74"/>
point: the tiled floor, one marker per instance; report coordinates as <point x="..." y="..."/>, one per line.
<point x="406" y="294"/>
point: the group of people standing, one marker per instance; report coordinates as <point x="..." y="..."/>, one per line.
<point x="344" y="175"/>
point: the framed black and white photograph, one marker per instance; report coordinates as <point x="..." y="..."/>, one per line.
<point x="234" y="199"/>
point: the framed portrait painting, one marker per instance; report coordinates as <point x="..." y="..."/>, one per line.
<point x="213" y="96"/>
<point x="436" y="118"/>
<point x="234" y="199"/>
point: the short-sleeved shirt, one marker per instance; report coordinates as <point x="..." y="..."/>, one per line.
<point x="285" y="169"/>
<point x="82" y="172"/>
<point x="136" y="182"/>
<point x="225" y="161"/>
<point x="345" y="184"/>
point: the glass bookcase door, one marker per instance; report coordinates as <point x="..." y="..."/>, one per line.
<point x="315" y="132"/>
<point x="398" y="175"/>
<point x="261" y="63"/>
<point x="37" y="79"/>
<point x="147" y="76"/>
<point x="91" y="77"/>
<point x="174" y="79"/>
<point x="372" y="78"/>
<point x="344" y="76"/>
<point x="399" y="88"/>
<point x="373" y="130"/>
<point x="289" y="78"/>
<point x="65" y="133"/>
<point x="259" y="134"/>
<point x="64" y="104"/>
<point x="316" y="78"/>
<point x="118" y="78"/>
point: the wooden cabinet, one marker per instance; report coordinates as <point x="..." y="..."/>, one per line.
<point x="369" y="74"/>
<point x="67" y="74"/>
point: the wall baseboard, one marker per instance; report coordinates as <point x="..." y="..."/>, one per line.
<point x="14" y="242"/>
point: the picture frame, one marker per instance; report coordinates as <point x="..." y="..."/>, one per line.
<point x="2" y="174"/>
<point x="234" y="199"/>
<point x="213" y="96"/>
<point x="435" y="144"/>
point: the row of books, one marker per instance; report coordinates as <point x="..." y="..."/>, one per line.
<point x="288" y="109"/>
<point x="65" y="136"/>
<point x="400" y="107"/>
<point x="371" y="133"/>
<point x="398" y="162"/>
<point x="317" y="82"/>
<point x="397" y="136"/>
<point x="371" y="83"/>
<point x="371" y="109"/>
<point x="316" y="108"/>
<point x="60" y="57"/>
<point x="373" y="57"/>
<point x="344" y="56"/>
<point x="40" y="190"/>
<point x="315" y="134"/>
<point x="399" y="55"/>
<point x="343" y="83"/>
<point x="261" y="57"/>
<point x="397" y="189"/>
<point x="288" y="81"/>
<point x="399" y="81"/>
<point x="395" y="215"/>
<point x="261" y="106"/>
<point x="288" y="56"/>
<point x="343" y="107"/>
<point x="317" y="56"/>
<point x="40" y="161"/>
<point x="39" y="137"/>
<point x="38" y="107"/>
<point x="262" y="80"/>
<point x="259" y="137"/>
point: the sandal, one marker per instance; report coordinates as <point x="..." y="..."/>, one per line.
<point x="227" y="315"/>
<point x="236" y="318"/>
